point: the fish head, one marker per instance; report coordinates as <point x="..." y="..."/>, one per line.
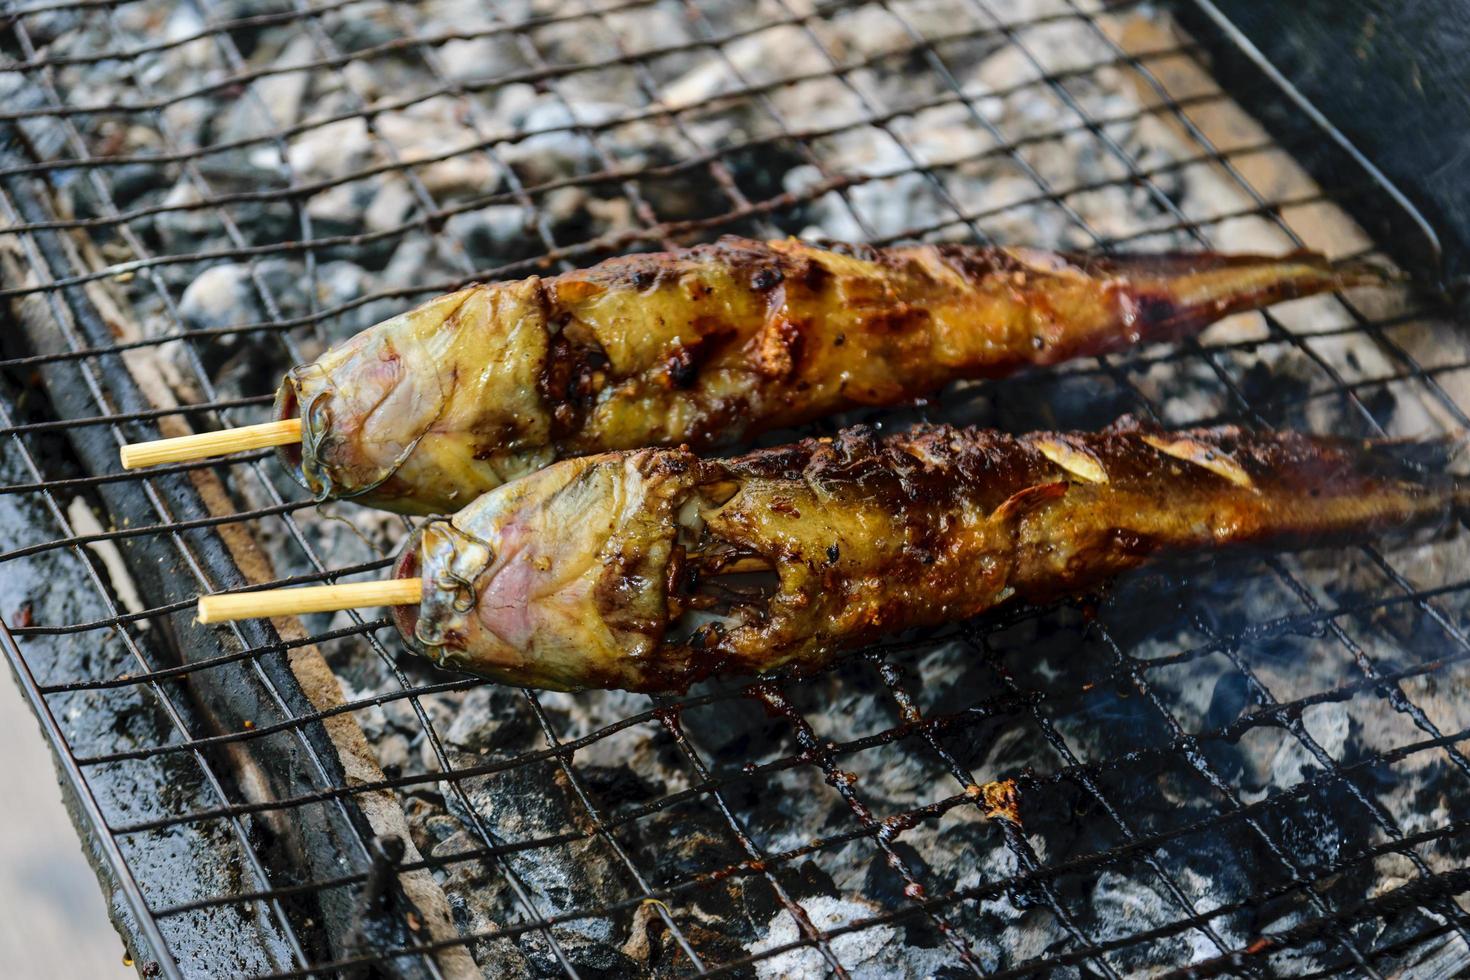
<point x="365" y="403"/>
<point x="556" y="580"/>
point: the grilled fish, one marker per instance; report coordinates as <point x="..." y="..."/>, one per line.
<point x="709" y="346"/>
<point x="653" y="568"/>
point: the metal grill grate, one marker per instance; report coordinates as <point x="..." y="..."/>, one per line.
<point x="1248" y="768"/>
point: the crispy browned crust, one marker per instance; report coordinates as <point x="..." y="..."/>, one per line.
<point x="872" y="536"/>
<point x="711" y="345"/>
<point x="942" y="523"/>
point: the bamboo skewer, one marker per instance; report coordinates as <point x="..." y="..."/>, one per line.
<point x="208" y="444"/>
<point x="351" y="595"/>
<point x="314" y="598"/>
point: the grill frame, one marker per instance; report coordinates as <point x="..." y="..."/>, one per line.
<point x="201" y="555"/>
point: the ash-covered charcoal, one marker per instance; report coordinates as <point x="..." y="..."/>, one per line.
<point x="529" y="802"/>
<point x="1204" y="737"/>
<point x="556" y="852"/>
<point x="869" y="954"/>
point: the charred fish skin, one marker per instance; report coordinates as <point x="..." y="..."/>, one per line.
<point x="711" y="345"/>
<point x="584" y="575"/>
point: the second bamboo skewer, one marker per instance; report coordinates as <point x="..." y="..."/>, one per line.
<point x="350" y="595"/>
<point x="204" y="445"/>
<point x="310" y="599"/>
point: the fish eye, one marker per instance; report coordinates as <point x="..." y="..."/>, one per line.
<point x="319" y="413"/>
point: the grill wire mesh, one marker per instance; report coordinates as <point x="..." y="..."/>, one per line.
<point x="1252" y="766"/>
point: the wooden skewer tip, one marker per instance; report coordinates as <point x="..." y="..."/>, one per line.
<point x="206" y="445"/>
<point x="351" y="595"/>
<point x="314" y="598"/>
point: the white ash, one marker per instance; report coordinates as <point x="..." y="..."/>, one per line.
<point x="868" y="954"/>
<point x="499" y="143"/>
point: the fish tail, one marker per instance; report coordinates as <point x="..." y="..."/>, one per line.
<point x="1175" y="295"/>
<point x="1419" y="458"/>
<point x="1284" y="486"/>
<point x="1365" y="272"/>
<point x="1384" y="483"/>
<point x="1437" y="464"/>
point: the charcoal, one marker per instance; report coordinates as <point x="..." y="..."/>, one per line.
<point x="558" y="148"/>
<point x="278" y="99"/>
<point x="220" y="296"/>
<point x="132" y="181"/>
<point x="495" y="235"/>
<point x="491" y="718"/>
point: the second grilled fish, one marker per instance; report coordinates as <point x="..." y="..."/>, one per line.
<point x="711" y="345"/>
<point x="650" y="569"/>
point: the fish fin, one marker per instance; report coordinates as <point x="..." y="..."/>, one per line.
<point x="1426" y="460"/>
<point x="1022" y="502"/>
